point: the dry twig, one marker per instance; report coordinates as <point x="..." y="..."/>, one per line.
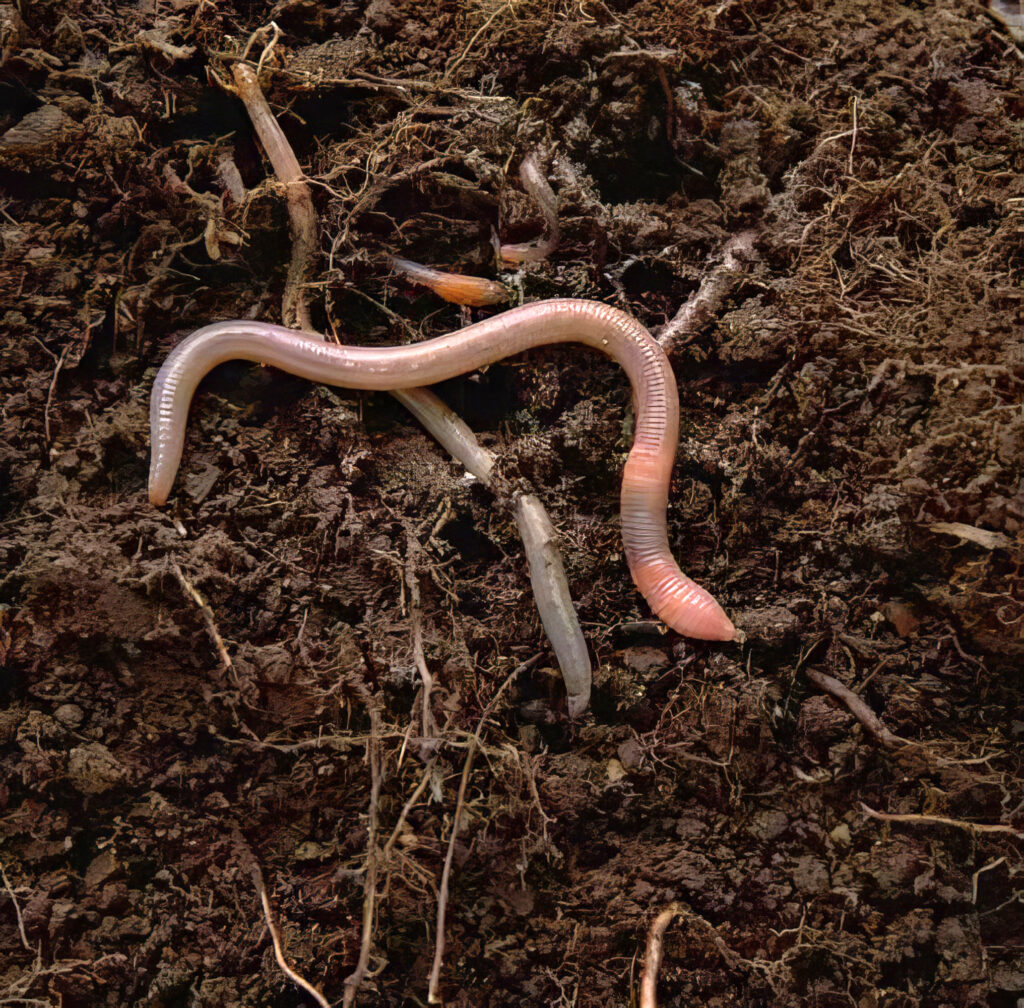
<point x="913" y="817"/>
<point x="208" y="618"/>
<point x="705" y="302"/>
<point x="372" y="859"/>
<point x="857" y="707"/>
<point x="654" y="953"/>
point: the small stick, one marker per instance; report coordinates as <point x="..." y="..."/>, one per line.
<point x="654" y="953"/>
<point x="208" y="618"/>
<point x="370" y="881"/>
<point x="299" y="981"/>
<point x="442" y="896"/>
<point x="301" y="215"/>
<point x="913" y="817"/>
<point x="17" y="909"/>
<point x="450" y="431"/>
<point x="49" y="394"/>
<point x="707" y="299"/>
<point x="856" y="706"/>
<point x="416" y="620"/>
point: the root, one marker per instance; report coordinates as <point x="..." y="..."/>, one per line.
<point x="912" y="817"/>
<point x="208" y="618"/>
<point x="17" y="908"/>
<point x="276" y="939"/>
<point x="301" y="215"/>
<point x="372" y="859"/>
<point x="857" y="707"/>
<point x="460" y="802"/>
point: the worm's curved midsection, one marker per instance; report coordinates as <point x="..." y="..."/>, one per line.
<point x="682" y="604"/>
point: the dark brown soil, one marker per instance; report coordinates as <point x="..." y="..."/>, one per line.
<point x="862" y="381"/>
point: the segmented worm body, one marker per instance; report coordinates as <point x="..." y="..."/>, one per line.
<point x="465" y="290"/>
<point x="682" y="604"/>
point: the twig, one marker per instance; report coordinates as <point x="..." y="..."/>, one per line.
<point x="856" y="706"/>
<point x="705" y="302"/>
<point x="370" y="881"/>
<point x="49" y="394"/>
<point x="853" y="139"/>
<point x="442" y="895"/>
<point x="412" y="581"/>
<point x="1010" y="16"/>
<point x="913" y="817"/>
<point x="299" y="981"/>
<point x="208" y="618"/>
<point x="17" y="909"/>
<point x="981" y="537"/>
<point x="301" y="216"/>
<point x="654" y="953"/>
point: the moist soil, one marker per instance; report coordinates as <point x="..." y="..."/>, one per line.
<point x="848" y="484"/>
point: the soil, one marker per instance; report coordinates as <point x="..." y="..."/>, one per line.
<point x="848" y="483"/>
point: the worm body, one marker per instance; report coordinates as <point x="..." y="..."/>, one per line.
<point x="682" y="604"/>
<point x="466" y="290"/>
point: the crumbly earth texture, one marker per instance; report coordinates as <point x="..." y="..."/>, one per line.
<point x="849" y="484"/>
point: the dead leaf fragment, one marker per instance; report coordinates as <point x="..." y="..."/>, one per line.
<point x="902" y="617"/>
<point x="981" y="537"/>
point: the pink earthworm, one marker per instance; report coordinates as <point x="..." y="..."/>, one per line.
<point x="682" y="604"/>
<point x="455" y="287"/>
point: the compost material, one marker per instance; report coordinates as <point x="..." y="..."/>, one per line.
<point x="212" y="714"/>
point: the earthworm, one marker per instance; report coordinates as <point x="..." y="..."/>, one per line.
<point x="540" y="543"/>
<point x="535" y="182"/>
<point x="677" y="600"/>
<point x="464" y="290"/>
